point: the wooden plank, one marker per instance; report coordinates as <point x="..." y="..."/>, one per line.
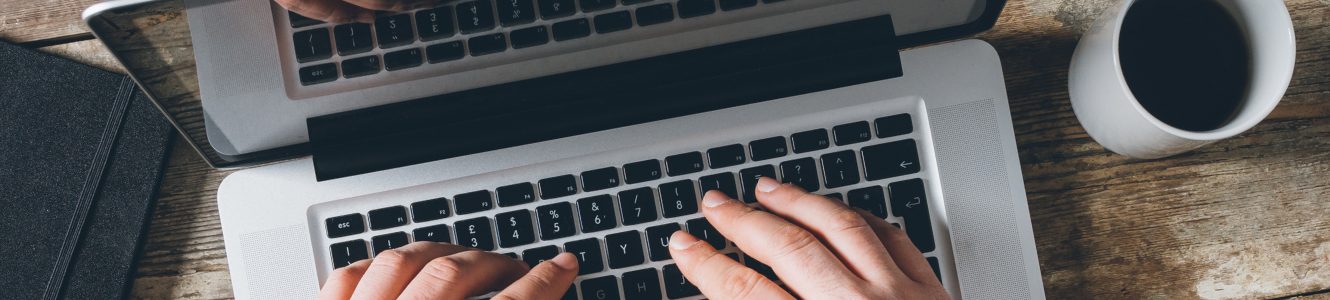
<point x="24" y="21"/>
<point x="90" y="52"/>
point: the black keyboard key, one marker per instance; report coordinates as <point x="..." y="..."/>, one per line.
<point x="360" y="66"/>
<point x="571" y="294"/>
<point x="678" y="198"/>
<point x="624" y="249"/>
<point x="515" y="229"/>
<point x="475" y="16"/>
<point x="403" y="59"/>
<point x="600" y="179"/>
<point x="476" y="201"/>
<point x="516" y="12"/>
<point x="760" y="267"/>
<point x="553" y="9"/>
<point x="601" y="288"/>
<point x="442" y="52"/>
<point x="641" y="284"/>
<point x="516" y="194"/>
<point x="856" y="132"/>
<point x="723" y="182"/>
<point x="768" y="148"/>
<point x="871" y="199"/>
<point x="680" y="164"/>
<point x="615" y="21"/>
<point x="387" y="217"/>
<point x="556" y="221"/>
<point x="702" y="229"/>
<point x="475" y="233"/>
<point x="487" y="44"/>
<point x="597" y="213"/>
<point x="317" y="74"/>
<point x="909" y="202"/>
<point x="658" y="240"/>
<point x="631" y="2"/>
<point x="655" y="14"/>
<point x="353" y="38"/>
<point x="696" y="8"/>
<point x="513" y="255"/>
<point x="527" y="37"/>
<point x="394" y="30"/>
<point x="836" y="196"/>
<point x="801" y="172"/>
<point x="535" y="256"/>
<point x="559" y="186"/>
<point x="390" y="241"/>
<point x="726" y="156"/>
<point x="345" y="225"/>
<point x="571" y="29"/>
<point x="345" y="253"/>
<point x="641" y="171"/>
<point x="433" y="24"/>
<point x="437" y="233"/>
<point x="890" y="159"/>
<point x="594" y="5"/>
<point x="588" y="253"/>
<point x="932" y="262"/>
<point x="677" y="286"/>
<point x="840" y="169"/>
<point x="312" y="45"/>
<point x="430" y="210"/>
<point x="637" y="206"/>
<point x="811" y="140"/>
<point x="728" y="5"/>
<point x="748" y="177"/>
<point x="895" y="125"/>
<point x="298" y="20"/>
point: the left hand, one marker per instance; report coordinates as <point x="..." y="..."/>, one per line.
<point x="428" y="270"/>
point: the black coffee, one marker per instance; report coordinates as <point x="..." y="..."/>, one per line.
<point x="1186" y="61"/>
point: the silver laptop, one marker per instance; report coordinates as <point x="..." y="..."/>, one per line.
<point x="536" y="127"/>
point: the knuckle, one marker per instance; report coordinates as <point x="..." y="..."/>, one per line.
<point x="347" y="272"/>
<point x="790" y="239"/>
<point x="445" y="270"/>
<point x="846" y="220"/>
<point x="740" y="284"/>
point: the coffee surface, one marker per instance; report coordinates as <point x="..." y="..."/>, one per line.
<point x="1185" y="61"/>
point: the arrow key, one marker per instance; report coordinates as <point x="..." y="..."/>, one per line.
<point x="890" y="159"/>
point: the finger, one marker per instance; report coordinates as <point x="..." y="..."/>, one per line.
<point x="342" y="282"/>
<point x="391" y="270"/>
<point x="844" y="231"/>
<point x="333" y="11"/>
<point x="393" y="5"/>
<point x="718" y="276"/>
<point x="465" y="274"/>
<point x="544" y="281"/>
<point x="903" y="252"/>
<point x="795" y="254"/>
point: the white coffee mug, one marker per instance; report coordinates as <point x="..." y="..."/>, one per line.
<point x="1112" y="116"/>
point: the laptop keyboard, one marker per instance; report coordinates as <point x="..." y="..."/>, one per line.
<point x="617" y="219"/>
<point x="468" y="29"/>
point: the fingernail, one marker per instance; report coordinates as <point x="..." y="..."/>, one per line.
<point x="714" y="201"/>
<point x="766" y="184"/>
<point x="565" y="260"/>
<point x="682" y="241"/>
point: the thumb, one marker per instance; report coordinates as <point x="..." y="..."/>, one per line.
<point x="546" y="281"/>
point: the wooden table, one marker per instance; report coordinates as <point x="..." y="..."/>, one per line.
<point x="1247" y="217"/>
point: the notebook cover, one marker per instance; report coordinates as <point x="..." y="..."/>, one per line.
<point x="82" y="152"/>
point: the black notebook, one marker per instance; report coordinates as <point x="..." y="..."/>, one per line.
<point x="82" y="152"/>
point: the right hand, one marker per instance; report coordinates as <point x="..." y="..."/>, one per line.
<point x="820" y="248"/>
<point x="347" y="11"/>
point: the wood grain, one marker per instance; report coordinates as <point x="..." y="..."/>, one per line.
<point x="1244" y="218"/>
<point x="23" y="21"/>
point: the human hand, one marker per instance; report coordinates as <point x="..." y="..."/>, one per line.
<point x="818" y="246"/>
<point x="428" y="270"/>
<point x="346" y="11"/>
